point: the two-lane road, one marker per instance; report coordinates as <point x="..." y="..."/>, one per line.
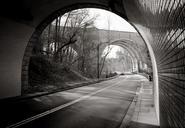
<point x="101" y="105"/>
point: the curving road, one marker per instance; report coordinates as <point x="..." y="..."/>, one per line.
<point x="101" y="105"/>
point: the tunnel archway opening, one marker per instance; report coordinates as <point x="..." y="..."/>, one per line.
<point x="42" y="26"/>
<point x="67" y="28"/>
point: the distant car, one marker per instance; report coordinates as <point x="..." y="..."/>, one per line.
<point x="150" y="78"/>
<point x="122" y="74"/>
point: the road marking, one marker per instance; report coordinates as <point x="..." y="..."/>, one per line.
<point x="126" y="91"/>
<point x="58" y="108"/>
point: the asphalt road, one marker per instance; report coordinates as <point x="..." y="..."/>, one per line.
<point x="101" y="105"/>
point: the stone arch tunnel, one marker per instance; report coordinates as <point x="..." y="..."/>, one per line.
<point x="159" y="22"/>
<point x="139" y="56"/>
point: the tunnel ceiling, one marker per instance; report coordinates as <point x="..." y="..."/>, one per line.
<point x="32" y="12"/>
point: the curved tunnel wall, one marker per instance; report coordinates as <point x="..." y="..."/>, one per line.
<point x="160" y="22"/>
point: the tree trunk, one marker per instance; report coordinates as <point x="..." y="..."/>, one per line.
<point x="48" y="45"/>
<point x="98" y="61"/>
<point x="56" y="35"/>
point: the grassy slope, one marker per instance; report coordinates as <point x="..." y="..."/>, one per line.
<point x="44" y="75"/>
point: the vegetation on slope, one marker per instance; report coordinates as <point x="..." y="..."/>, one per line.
<point x="47" y="75"/>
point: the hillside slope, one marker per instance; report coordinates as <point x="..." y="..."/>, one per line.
<point x="46" y="75"/>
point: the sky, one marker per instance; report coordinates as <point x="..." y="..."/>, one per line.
<point x="116" y="22"/>
<point x="113" y="51"/>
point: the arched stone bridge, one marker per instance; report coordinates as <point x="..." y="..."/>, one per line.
<point x="130" y="41"/>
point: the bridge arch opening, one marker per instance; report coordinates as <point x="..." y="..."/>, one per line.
<point x="119" y="60"/>
<point x="51" y="20"/>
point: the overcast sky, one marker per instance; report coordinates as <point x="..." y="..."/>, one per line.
<point x="116" y="22"/>
<point x="113" y="51"/>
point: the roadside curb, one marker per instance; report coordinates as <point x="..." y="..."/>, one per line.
<point x="30" y="96"/>
<point x="130" y="112"/>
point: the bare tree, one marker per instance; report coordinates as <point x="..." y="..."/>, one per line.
<point x="101" y="64"/>
<point x="69" y="40"/>
<point x="65" y="31"/>
<point x="109" y="48"/>
<point x="125" y="59"/>
<point x="75" y="24"/>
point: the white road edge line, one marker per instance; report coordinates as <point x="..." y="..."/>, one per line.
<point x="57" y="108"/>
